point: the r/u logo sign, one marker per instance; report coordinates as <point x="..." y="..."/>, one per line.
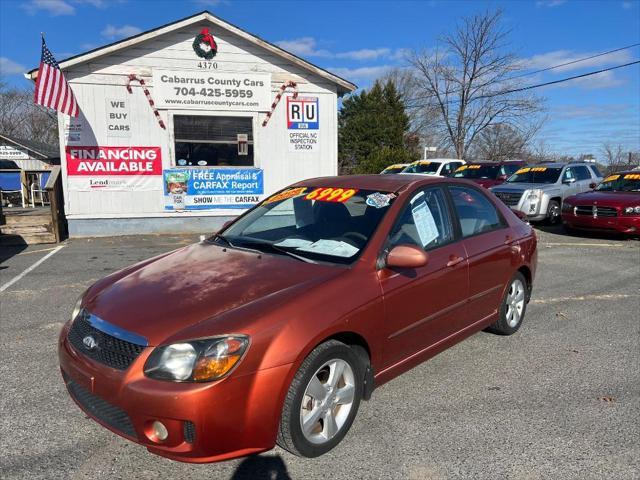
<point x="302" y="113"/>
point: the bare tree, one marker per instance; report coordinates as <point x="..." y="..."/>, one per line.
<point x="465" y="79"/>
<point x="20" y="117"/>
<point x="501" y="142"/>
<point x="614" y="155"/>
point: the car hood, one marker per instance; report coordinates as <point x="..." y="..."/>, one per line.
<point x="196" y="283"/>
<point x="521" y="187"/>
<point x="614" y="199"/>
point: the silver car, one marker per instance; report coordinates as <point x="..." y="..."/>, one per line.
<point x="538" y="190"/>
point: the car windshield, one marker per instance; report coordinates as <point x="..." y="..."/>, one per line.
<point x="312" y="224"/>
<point x="627" y="182"/>
<point x="422" y="167"/>
<point x="393" y="169"/>
<point x="535" y="175"/>
<point x="490" y="172"/>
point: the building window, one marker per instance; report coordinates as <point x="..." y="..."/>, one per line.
<point x="213" y="141"/>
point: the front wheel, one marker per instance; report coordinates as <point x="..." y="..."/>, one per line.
<point x="322" y="401"/>
<point x="553" y="212"/>
<point x="513" y="307"/>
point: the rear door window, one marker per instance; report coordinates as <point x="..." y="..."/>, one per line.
<point x="476" y="213"/>
<point x="582" y="173"/>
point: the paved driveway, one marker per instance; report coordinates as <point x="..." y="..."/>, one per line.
<point x="560" y="399"/>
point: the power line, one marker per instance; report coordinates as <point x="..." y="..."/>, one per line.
<point x="526" y="74"/>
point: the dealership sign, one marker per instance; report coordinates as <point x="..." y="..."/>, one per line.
<point x="113" y="168"/>
<point x="206" y="90"/>
<point x="303" y="124"/>
<point x="212" y="188"/>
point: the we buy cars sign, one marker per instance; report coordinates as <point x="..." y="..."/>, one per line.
<point x="114" y="168"/>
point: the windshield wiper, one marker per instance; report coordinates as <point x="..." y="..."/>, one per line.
<point x="224" y="239"/>
<point x="274" y="248"/>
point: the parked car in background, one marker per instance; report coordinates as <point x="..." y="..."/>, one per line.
<point x="274" y="329"/>
<point x="396" y="168"/>
<point x="614" y="205"/>
<point x="436" y="167"/>
<point x="538" y="191"/>
<point x="488" y="174"/>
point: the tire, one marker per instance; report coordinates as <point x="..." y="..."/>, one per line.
<point x="512" y="304"/>
<point x="321" y="435"/>
<point x="553" y="212"/>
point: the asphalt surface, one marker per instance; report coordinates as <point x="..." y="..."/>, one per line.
<point x="559" y="399"/>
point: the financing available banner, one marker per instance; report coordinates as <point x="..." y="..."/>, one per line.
<point x="113" y="168"/>
<point x="212" y="188"/>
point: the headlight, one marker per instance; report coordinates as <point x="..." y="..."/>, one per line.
<point x="632" y="210"/>
<point x="566" y="207"/>
<point x="77" y="307"/>
<point x="534" y="195"/>
<point x="196" y="360"/>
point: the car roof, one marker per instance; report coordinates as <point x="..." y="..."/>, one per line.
<point x="560" y="164"/>
<point x="439" y="160"/>
<point x="388" y="183"/>
<point x="489" y="162"/>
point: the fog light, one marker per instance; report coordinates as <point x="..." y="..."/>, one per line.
<point x="159" y="431"/>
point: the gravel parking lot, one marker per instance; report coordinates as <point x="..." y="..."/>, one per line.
<point x="560" y="399"/>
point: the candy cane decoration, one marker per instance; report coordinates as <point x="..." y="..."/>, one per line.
<point x="285" y="85"/>
<point x="133" y="77"/>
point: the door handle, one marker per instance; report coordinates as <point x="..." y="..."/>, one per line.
<point x="508" y="239"/>
<point x="453" y="260"/>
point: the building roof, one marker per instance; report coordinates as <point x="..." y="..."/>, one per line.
<point x="43" y="150"/>
<point x="344" y="86"/>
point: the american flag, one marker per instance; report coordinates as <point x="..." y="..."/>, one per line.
<point x="52" y="89"/>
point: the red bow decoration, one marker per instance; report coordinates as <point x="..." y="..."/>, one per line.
<point x="207" y="37"/>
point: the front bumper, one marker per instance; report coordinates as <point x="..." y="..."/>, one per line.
<point x="206" y="422"/>
<point x="623" y="224"/>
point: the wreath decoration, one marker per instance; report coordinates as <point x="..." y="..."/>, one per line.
<point x="204" y="45"/>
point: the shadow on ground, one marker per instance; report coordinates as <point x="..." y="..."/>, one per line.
<point x="259" y="467"/>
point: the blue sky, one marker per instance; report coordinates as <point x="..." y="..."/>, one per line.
<point x="361" y="40"/>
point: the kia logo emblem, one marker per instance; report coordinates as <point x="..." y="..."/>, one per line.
<point x="89" y="342"/>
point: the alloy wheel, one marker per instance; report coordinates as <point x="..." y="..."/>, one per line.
<point x="515" y="302"/>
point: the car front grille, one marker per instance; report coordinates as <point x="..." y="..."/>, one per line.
<point x="595" y="210"/>
<point x="108" y="350"/>
<point x="102" y="410"/>
<point x="509" y="198"/>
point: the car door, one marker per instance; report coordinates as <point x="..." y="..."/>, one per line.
<point x="583" y="178"/>
<point x="423" y="305"/>
<point x="489" y="247"/>
<point x="570" y="182"/>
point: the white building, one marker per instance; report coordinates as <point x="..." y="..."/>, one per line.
<point x="124" y="168"/>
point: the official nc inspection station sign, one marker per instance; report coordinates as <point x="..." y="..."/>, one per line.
<point x="212" y="188"/>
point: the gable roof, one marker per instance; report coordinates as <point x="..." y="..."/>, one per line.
<point x="344" y="86"/>
<point x="39" y="149"/>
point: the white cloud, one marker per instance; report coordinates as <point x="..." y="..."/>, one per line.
<point x="9" y="67"/>
<point x="550" y="3"/>
<point x="361" y="73"/>
<point x="53" y="7"/>
<point x="593" y="82"/>
<point x="112" y="32"/>
<point x="308" y="47"/>
<point x="558" y="57"/>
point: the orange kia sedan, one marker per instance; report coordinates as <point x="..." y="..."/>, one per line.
<point x="274" y="329"/>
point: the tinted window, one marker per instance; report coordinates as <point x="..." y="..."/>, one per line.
<point x="510" y="169"/>
<point x="477" y="171"/>
<point x="476" y="213"/>
<point x="423" y="166"/>
<point x="582" y="173"/>
<point x="425" y="221"/>
<point x="595" y="170"/>
<point x="535" y="175"/>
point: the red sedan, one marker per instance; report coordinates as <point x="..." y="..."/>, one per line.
<point x="613" y="206"/>
<point x="273" y="330"/>
<point x="488" y="174"/>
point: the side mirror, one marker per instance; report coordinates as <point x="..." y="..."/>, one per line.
<point x="407" y="256"/>
<point x="521" y="215"/>
<point x="568" y="181"/>
<point x="593" y="185"/>
<point x="503" y="177"/>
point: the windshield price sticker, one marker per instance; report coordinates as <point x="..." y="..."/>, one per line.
<point x="474" y="167"/>
<point x="423" y="162"/>
<point x="328" y="194"/>
<point x="463" y="167"/>
<point x="539" y="169"/>
<point x="611" y="178"/>
<point x="632" y="176"/>
<point x="523" y="170"/>
<point x="289" y="193"/>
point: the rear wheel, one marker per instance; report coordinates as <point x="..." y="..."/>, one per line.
<point x="553" y="212"/>
<point x="322" y="401"/>
<point x="513" y="307"/>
